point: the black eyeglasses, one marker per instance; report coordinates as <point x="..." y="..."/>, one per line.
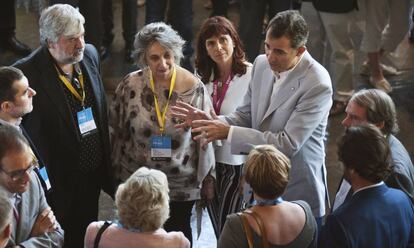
<point x="19" y="174"/>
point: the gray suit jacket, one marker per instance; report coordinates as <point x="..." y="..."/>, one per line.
<point x="32" y="204"/>
<point x="294" y="123"/>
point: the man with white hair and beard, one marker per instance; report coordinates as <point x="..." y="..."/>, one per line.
<point x="69" y="121"/>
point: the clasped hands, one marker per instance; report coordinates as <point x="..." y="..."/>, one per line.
<point x="45" y="222"/>
<point x="206" y="127"/>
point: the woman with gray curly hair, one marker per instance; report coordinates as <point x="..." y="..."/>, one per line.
<point x="142" y="203"/>
<point x="143" y="132"/>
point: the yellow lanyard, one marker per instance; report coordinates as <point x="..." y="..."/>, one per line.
<point x="74" y="92"/>
<point x="161" y="118"/>
<point x="35" y="160"/>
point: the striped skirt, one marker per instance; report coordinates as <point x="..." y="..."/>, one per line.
<point x="227" y="198"/>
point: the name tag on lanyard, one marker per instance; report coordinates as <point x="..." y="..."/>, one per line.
<point x="161" y="144"/>
<point x="161" y="148"/>
<point x="86" y="122"/>
<point x="45" y="177"/>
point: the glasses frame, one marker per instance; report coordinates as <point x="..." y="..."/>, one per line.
<point x="19" y="174"/>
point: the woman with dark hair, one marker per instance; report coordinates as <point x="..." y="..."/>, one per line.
<point x="221" y="64"/>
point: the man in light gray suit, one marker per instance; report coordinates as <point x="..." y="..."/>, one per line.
<point x="5" y="219"/>
<point x="33" y="222"/>
<point x="286" y="105"/>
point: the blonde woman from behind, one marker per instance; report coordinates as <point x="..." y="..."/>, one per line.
<point x="142" y="203"/>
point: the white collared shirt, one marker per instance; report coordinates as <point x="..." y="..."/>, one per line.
<point x="279" y="79"/>
<point x="5" y="123"/>
<point x="368" y="187"/>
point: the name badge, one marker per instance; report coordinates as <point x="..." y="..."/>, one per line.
<point x="45" y="177"/>
<point x="161" y="148"/>
<point x="86" y="122"/>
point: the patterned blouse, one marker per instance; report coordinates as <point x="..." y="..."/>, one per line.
<point x="133" y="121"/>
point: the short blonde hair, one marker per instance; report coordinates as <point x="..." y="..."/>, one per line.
<point x="267" y="171"/>
<point x="142" y="201"/>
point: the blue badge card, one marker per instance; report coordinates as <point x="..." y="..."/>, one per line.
<point x="85" y="121"/>
<point x="45" y="177"/>
<point x="161" y="148"/>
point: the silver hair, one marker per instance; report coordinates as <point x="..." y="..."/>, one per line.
<point x="142" y="201"/>
<point x="5" y="210"/>
<point x="58" y="20"/>
<point x="379" y="108"/>
<point x="162" y="33"/>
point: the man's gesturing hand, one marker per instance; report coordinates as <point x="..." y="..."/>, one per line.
<point x="187" y="114"/>
<point x="210" y="130"/>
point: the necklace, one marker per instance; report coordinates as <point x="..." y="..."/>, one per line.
<point x="266" y="202"/>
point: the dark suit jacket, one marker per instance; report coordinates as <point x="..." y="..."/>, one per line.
<point x="374" y="217"/>
<point x="39" y="160"/>
<point x="53" y="129"/>
<point x="7" y="17"/>
<point x="402" y="176"/>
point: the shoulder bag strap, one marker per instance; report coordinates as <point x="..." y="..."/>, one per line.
<point x="100" y="232"/>
<point x="247" y="230"/>
<point x="262" y="228"/>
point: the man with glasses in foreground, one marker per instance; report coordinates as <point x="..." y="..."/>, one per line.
<point x="33" y="222"/>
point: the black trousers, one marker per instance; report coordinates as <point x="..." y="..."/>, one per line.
<point x="220" y="7"/>
<point x="180" y="218"/>
<point x="92" y="11"/>
<point x="83" y="208"/>
<point x="7" y="18"/>
<point x="252" y="13"/>
<point x="129" y="21"/>
<point x="180" y="16"/>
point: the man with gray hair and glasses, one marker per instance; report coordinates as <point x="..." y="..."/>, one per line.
<point x="5" y="218"/>
<point x="33" y="222"/>
<point x="69" y="122"/>
<point x="376" y="107"/>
